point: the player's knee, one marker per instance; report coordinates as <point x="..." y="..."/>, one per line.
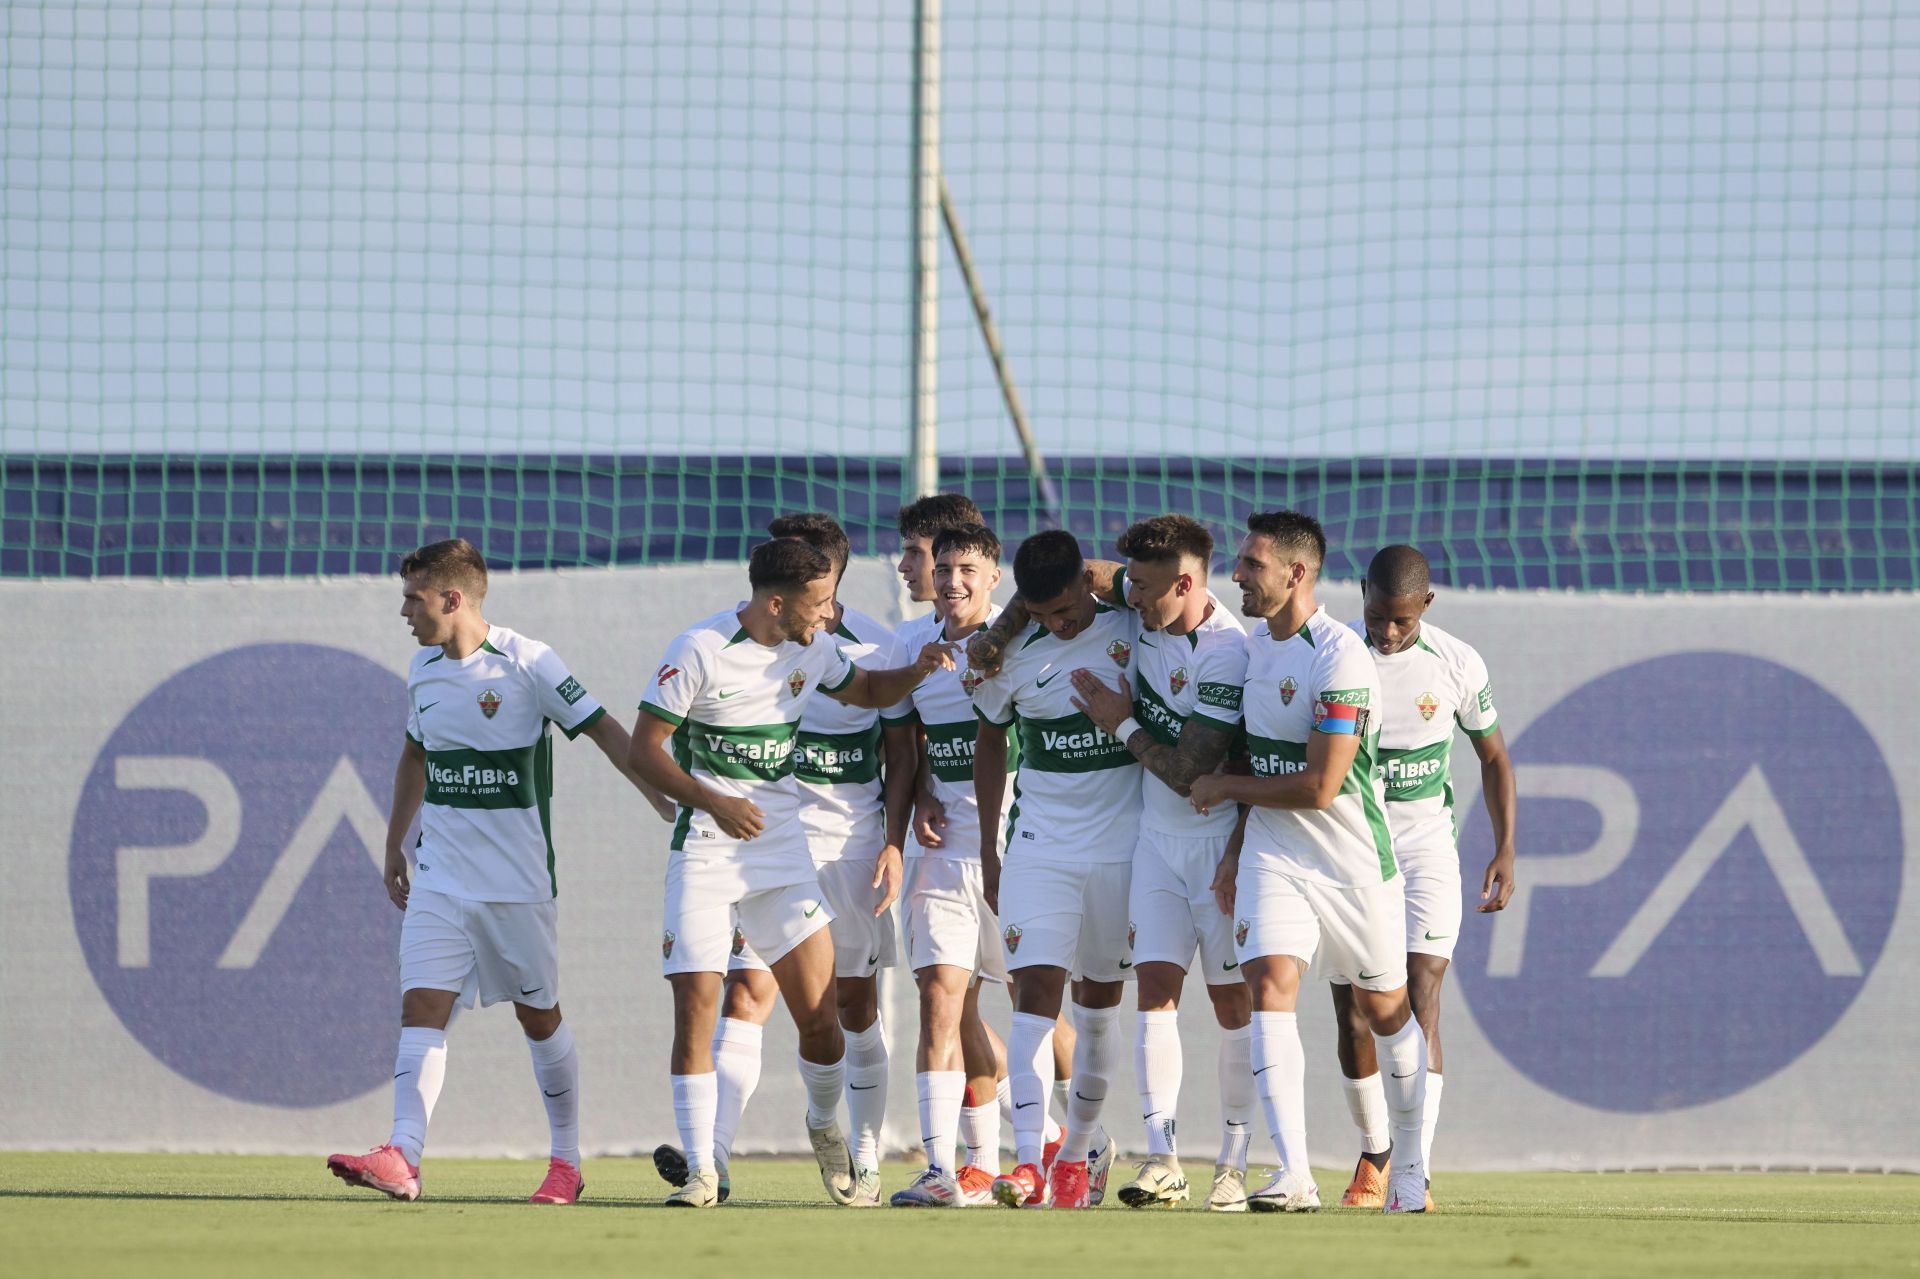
<point x="1159" y="986"/>
<point x="430" y="1009"/>
<point x="1232" y="1005"/>
<point x="858" y="1002"/>
<point x="538" y="1023"/>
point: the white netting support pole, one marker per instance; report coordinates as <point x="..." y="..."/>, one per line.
<point x="923" y="460"/>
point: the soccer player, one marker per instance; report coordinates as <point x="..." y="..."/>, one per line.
<point x="1429" y="683"/>
<point x="1313" y="872"/>
<point x="477" y="768"/>
<point x="1069" y="844"/>
<point x="1179" y="720"/>
<point x="854" y="834"/>
<point x="729" y="696"/>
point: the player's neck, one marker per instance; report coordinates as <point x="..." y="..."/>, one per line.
<point x="1292" y="615"/>
<point x="956" y="627"/>
<point x="1193" y="617"/>
<point x="761" y="626"/>
<point x="468" y="636"/>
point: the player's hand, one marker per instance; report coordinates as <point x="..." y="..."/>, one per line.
<point x="984" y="651"/>
<point x="886" y="879"/>
<point x="990" y="880"/>
<point x="1226" y="877"/>
<point x="1104" y="705"/>
<point x="929" y="819"/>
<point x="739" y="818"/>
<point x="936" y="656"/>
<point x="1496" y="886"/>
<point x="398" y="883"/>
<point x="1208" y="791"/>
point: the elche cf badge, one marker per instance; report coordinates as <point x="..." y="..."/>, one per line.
<point x="1287" y="689"/>
<point x="489" y="703"/>
<point x="1012" y="935"/>
<point x="1177" y="680"/>
<point x="1119" y="651"/>
<point x="970" y="679"/>
<point x="796" y="682"/>
<point x="1428" y="704"/>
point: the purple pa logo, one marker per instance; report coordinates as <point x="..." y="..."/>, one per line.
<point x="1711" y="853"/>
<point x="225" y="873"/>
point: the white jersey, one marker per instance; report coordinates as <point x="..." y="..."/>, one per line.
<point x="837" y="751"/>
<point x="737" y="704"/>
<point x="1318" y="679"/>
<point x="482" y="720"/>
<point x="1077" y="794"/>
<point x="943" y="705"/>
<point x="1426" y="689"/>
<point x="1177" y="677"/>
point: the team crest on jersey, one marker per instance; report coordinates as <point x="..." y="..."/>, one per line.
<point x="1012" y="937"/>
<point x="489" y="703"/>
<point x="1119" y="651"/>
<point x="796" y="682"/>
<point x="739" y="940"/>
<point x="1177" y="680"/>
<point x="971" y="679"/>
<point x="1240" y="933"/>
<point x="1428" y="704"/>
<point x="1287" y="689"/>
<point x="666" y="944"/>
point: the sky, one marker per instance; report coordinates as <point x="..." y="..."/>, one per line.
<point x="1274" y="230"/>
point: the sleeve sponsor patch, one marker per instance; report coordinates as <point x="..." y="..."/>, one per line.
<point x="1339" y="717"/>
<point x="1486" y="698"/>
<point x="1224" y="696"/>
<point x="570" y="690"/>
<point x="1345" y="697"/>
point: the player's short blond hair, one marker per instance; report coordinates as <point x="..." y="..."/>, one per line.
<point x="453" y="565"/>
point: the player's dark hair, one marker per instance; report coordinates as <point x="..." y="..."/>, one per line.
<point x="1400" y="572"/>
<point x="455" y="564"/>
<point x="975" y="538"/>
<point x="817" y="529"/>
<point x="1167" y="537"/>
<point x="786" y="565"/>
<point x="1295" y="534"/>
<point x="931" y="515"/>
<point x="1047" y="564"/>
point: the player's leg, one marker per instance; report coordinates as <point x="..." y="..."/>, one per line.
<point x="1366" y="1099"/>
<point x="1432" y="879"/>
<point x="1161" y="940"/>
<point x="988" y="1094"/>
<point x="1100" y="966"/>
<point x="1039" y="930"/>
<point x="1233" y="1013"/>
<point x="747" y="1000"/>
<point x="940" y="1085"/>
<point x="863" y="944"/>
<point x="1275" y="936"/>
<point x="694" y="947"/>
<point x="517" y="948"/>
<point x="1425" y="976"/>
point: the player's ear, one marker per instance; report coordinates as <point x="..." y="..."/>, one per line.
<point x="450" y="601"/>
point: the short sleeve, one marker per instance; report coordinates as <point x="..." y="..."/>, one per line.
<point x="1476" y="716"/>
<point x="836" y="668"/>
<point x="671" y="690"/>
<point x="1345" y="690"/>
<point x="415" y="733"/>
<point x="993" y="699"/>
<point x="1222" y="677"/>
<point x="563" y="699"/>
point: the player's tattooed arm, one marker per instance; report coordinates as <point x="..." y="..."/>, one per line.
<point x="1501" y="796"/>
<point x="988" y="647"/>
<point x="1203" y="744"/>
<point x="409" y="791"/>
<point x="1106" y="579"/>
<point x="1330" y="757"/>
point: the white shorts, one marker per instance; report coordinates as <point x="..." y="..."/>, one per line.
<point x="1433" y="900"/>
<point x="862" y="943"/>
<point x="705" y="900"/>
<point x="1171" y="907"/>
<point x="948" y="920"/>
<point x="496" y="951"/>
<point x="1070" y="915"/>
<point x="1357" y="934"/>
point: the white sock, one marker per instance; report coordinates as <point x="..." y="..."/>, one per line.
<point x="1280" y="1075"/>
<point x="1157" y="1068"/>
<point x="1236" y="1096"/>
<point x="980" y="1129"/>
<point x="1429" y="1116"/>
<point x="1096" y="1046"/>
<point x="1062" y="1093"/>
<point x="419" y="1068"/>
<point x="694" y="1098"/>
<point x="1367" y="1103"/>
<point x="940" y="1092"/>
<point x="824" y="1083"/>
<point x="867" y="1094"/>
<point x="736" y="1064"/>
<point x="1403" y="1074"/>
<point x="556" y="1068"/>
<point x="1030" y="1075"/>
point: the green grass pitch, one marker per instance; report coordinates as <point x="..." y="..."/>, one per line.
<point x="200" y="1215"/>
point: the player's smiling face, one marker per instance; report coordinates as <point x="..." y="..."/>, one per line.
<point x="1068" y="613"/>
<point x="963" y="585"/>
<point x="807" y="611"/>
<point x="1158" y="590"/>
<point x="916" y="568"/>
<point x="1393" y="623"/>
<point x="1266" y="576"/>
<point x="426" y="609"/>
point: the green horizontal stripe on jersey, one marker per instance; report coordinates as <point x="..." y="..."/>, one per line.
<point x="484" y="779"/>
<point x="744" y="752"/>
<point x="1418" y="772"/>
<point x="950" y="750"/>
<point x="1272" y="757"/>
<point x="1069" y="744"/>
<point x="833" y="759"/>
<point x="1162" y="722"/>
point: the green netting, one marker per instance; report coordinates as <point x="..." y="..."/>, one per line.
<point x="1596" y="295"/>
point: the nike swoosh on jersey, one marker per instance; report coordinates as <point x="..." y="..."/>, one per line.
<point x="424" y="709"/>
<point x="1042" y="683"/>
<point x="1371" y="976"/>
<point x="724" y="696"/>
<point x="1441" y="937"/>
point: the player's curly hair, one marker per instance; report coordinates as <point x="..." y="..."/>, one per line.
<point x="453" y="565"/>
<point x="1167" y="537"/>
<point x="786" y="565"/>
<point x="1294" y="533"/>
<point x="934" y="514"/>
<point x="1047" y="564"/>
<point x="977" y="538"/>
<point x="817" y="529"/>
